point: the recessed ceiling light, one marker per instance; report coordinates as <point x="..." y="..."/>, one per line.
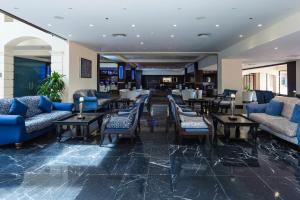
<point x="174" y="25"/>
<point x="138" y="36"/>
<point x="133" y="25"/>
<point x="70" y="35"/>
<point x="217" y="25"/>
<point x="91" y="25"/>
<point x="276" y="48"/>
<point x="49" y="25"/>
<point x="172" y="36"/>
<point x="141" y="43"/>
<point x="259" y="25"/>
<point x="106" y="18"/>
<point x="103" y="35"/>
<point x="241" y="36"/>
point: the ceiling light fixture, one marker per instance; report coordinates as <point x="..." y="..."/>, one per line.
<point x="217" y="25"/>
<point x="103" y="35"/>
<point x="276" y="48"/>
<point x="259" y="25"/>
<point x="138" y="36"/>
<point x="49" y="25"/>
<point x="91" y="25"/>
<point x="172" y="36"/>
<point x="70" y="35"/>
<point x="133" y="25"/>
<point x="141" y="43"/>
<point x="174" y="25"/>
<point x="241" y="36"/>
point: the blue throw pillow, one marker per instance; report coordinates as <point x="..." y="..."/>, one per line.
<point x="45" y="104"/>
<point x="274" y="108"/>
<point x="18" y="108"/>
<point x="296" y="114"/>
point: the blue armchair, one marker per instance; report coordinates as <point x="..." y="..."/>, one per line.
<point x="15" y="129"/>
<point x="93" y="100"/>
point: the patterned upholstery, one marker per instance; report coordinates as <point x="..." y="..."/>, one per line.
<point x="192" y="122"/>
<point x="5" y="105"/>
<point x="121" y="122"/>
<point x="44" y="120"/>
<point x="32" y="102"/>
<point x="276" y="123"/>
<point x="289" y="104"/>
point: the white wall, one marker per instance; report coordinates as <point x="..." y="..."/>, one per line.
<point x="76" y="52"/>
<point x="230" y="76"/>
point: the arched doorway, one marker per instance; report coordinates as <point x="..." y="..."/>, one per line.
<point x="27" y="63"/>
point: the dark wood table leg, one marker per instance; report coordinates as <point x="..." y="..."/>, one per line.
<point x="215" y="134"/>
<point x="237" y="132"/>
<point x="253" y="130"/>
<point x="58" y="132"/>
<point x="86" y="132"/>
<point x="227" y="132"/>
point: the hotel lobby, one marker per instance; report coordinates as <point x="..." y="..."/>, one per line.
<point x="160" y="99"/>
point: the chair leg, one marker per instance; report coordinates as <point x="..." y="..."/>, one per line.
<point x="109" y="137"/>
<point x="102" y="139"/>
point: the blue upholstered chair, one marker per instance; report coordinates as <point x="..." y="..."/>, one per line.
<point x="120" y="124"/>
<point x="263" y="96"/>
<point x="93" y="100"/>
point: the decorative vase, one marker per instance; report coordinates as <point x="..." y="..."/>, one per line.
<point x="80" y="116"/>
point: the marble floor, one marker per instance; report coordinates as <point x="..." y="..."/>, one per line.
<point x="155" y="167"/>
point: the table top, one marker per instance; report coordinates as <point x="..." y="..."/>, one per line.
<point x="200" y="100"/>
<point x="241" y="120"/>
<point x="89" y="118"/>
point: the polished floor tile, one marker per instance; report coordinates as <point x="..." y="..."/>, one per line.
<point x="155" y="166"/>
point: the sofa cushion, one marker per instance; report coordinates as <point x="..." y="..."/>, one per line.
<point x="32" y="102"/>
<point x="44" y="120"/>
<point x="263" y="118"/>
<point x="296" y="114"/>
<point x="276" y="123"/>
<point x="17" y="108"/>
<point x="288" y="107"/>
<point x="5" y="106"/>
<point x="45" y="104"/>
<point x="274" y="108"/>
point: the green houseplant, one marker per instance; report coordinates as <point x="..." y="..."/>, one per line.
<point x="247" y="94"/>
<point x="53" y="87"/>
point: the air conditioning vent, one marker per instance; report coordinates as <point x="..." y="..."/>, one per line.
<point x="119" y="35"/>
<point x="204" y="35"/>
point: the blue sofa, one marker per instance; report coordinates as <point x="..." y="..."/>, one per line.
<point x="15" y="129"/>
<point x="280" y="126"/>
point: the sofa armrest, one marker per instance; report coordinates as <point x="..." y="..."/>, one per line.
<point x="255" y="108"/>
<point x="11" y="120"/>
<point x="63" y="106"/>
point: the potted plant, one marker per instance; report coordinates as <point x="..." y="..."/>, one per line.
<point x="53" y="87"/>
<point x="247" y="94"/>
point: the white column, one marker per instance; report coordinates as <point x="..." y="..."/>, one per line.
<point x="57" y="61"/>
<point x="230" y="76"/>
<point x="298" y="76"/>
<point x="6" y="74"/>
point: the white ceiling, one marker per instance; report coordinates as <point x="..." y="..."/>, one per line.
<point x="153" y="20"/>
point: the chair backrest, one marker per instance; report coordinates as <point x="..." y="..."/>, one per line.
<point x="188" y="94"/>
<point x="263" y="96"/>
<point x="228" y="92"/>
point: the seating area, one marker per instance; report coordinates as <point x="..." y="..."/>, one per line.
<point x="150" y="100"/>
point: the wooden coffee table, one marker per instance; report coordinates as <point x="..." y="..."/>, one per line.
<point x="80" y="124"/>
<point x="228" y="123"/>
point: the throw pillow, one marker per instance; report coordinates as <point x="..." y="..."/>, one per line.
<point x="274" y="108"/>
<point x="45" y="104"/>
<point x="296" y="114"/>
<point x="18" y="108"/>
